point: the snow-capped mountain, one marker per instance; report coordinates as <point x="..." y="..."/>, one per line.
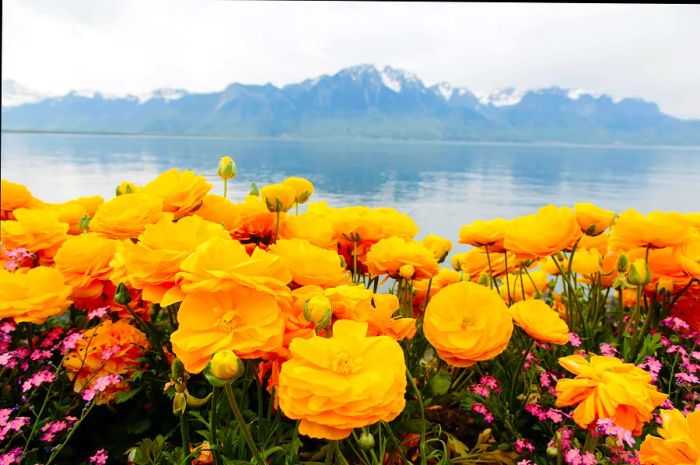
<point x="360" y="101"/>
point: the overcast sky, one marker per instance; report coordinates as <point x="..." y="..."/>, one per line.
<point x="134" y="46"/>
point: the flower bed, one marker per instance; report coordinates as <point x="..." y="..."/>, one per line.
<point x="170" y="325"/>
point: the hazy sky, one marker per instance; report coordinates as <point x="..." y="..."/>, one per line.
<point x="134" y="46"/>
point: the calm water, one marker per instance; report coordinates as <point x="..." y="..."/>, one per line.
<point x="441" y="185"/>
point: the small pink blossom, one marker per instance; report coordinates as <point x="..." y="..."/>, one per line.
<point x="100" y="457"/>
<point x="523" y="446"/>
<point x="70" y="342"/>
<point x="608" y="350"/>
<point x="574" y="340"/>
<point x="110" y="352"/>
<point x="12" y="457"/>
<point x="37" y="379"/>
<point x="98" y="312"/>
<point x="100" y="384"/>
<point x="480" y="389"/>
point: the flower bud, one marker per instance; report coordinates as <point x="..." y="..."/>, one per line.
<point x="623" y="263"/>
<point x="318" y="311"/>
<point x="665" y="285"/>
<point x="278" y="197"/>
<point x="254" y="190"/>
<point x="84" y="224"/>
<point x="407" y="271"/>
<point x="484" y="279"/>
<point x="227" y="168"/>
<point x="366" y="440"/>
<point x="639" y="273"/>
<point x="226" y="365"/>
<point x="457" y="262"/>
<point x="177" y="370"/>
<point x="302" y="188"/>
<point x="125" y="188"/>
<point x="552" y="451"/>
<point x="438" y="245"/>
<point x="122" y="296"/>
<point x="179" y="403"/>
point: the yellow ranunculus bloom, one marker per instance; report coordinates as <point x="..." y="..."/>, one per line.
<point x="244" y="320"/>
<point x="314" y="228"/>
<point x="182" y="191"/>
<point x="348" y="381"/>
<point x="38" y="231"/>
<point x="550" y="230"/>
<point x="606" y="387"/>
<point x="587" y="262"/>
<point x="533" y="283"/>
<point x="593" y="220"/>
<point x="302" y="188"/>
<point x="688" y="257"/>
<point x="538" y="320"/>
<point x="310" y="264"/>
<point x="226" y="365"/>
<point x="467" y="323"/>
<point x="84" y="262"/>
<point x="152" y="263"/>
<point x="655" y="230"/>
<point x="227" y="168"/>
<point x="485" y="234"/>
<point x="126" y="216"/>
<point x="34" y="295"/>
<point x="13" y="196"/>
<point x="679" y="443"/>
<point x="219" y="209"/>
<point x="439" y="245"/>
<point x="387" y="256"/>
<point x="350" y="301"/>
<point x="278" y="197"/>
<point x="223" y="264"/>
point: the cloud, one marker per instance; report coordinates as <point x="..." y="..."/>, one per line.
<point x="134" y="46"/>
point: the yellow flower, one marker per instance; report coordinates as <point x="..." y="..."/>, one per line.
<point x="227" y="168"/>
<point x="467" y="323"/>
<point x="34" y="295"/>
<point x="476" y="261"/>
<point x="679" y="443"/>
<point x="314" y="228"/>
<point x="244" y="320"/>
<point x="84" y="262"/>
<point x="302" y="188"/>
<point x="278" y="197"/>
<point x="220" y="210"/>
<point x="544" y="233"/>
<point x="606" y="387"/>
<point x="38" y="231"/>
<point x="538" y="320"/>
<point x="485" y="234"/>
<point x="443" y="278"/>
<point x="126" y="216"/>
<point x="182" y="191"/>
<point x="222" y="265"/>
<point x="86" y="363"/>
<point x="347" y="381"/>
<point x="599" y="242"/>
<point x="125" y="187"/>
<point x="310" y="264"/>
<point x="439" y="245"/>
<point x="73" y="211"/>
<point x="152" y="263"/>
<point x="318" y="310"/>
<point x="639" y="273"/>
<point x="655" y="230"/>
<point x="593" y="220"/>
<point x="688" y="256"/>
<point x="226" y="365"/>
<point x="350" y="301"/>
<point x="13" y="196"/>
<point x="382" y="322"/>
<point x="587" y="262"/>
<point x="387" y="256"/>
<point x="533" y="284"/>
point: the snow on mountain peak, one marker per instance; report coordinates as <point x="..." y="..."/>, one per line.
<point x="446" y="90"/>
<point x="391" y="80"/>
<point x="166" y="94"/>
<point x="15" y="94"/>
<point x="501" y="97"/>
<point x="575" y="94"/>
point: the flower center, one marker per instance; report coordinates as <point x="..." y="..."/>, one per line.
<point x="344" y="364"/>
<point x="226" y="322"/>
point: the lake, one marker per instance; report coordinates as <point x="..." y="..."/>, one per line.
<point x="440" y="185"/>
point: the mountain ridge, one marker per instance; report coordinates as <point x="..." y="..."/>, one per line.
<point x="360" y="101"/>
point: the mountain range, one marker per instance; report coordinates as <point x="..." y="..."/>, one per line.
<point x="357" y="102"/>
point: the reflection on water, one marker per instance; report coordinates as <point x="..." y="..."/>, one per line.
<point x="441" y="185"/>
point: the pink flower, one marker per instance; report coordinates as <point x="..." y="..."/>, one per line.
<point x="675" y="324"/>
<point x="100" y="457"/>
<point x="109" y="353"/>
<point x="12" y="457"/>
<point x="37" y="379"/>
<point x="523" y="446"/>
<point x="490" y="382"/>
<point x="608" y="350"/>
<point x="588" y="459"/>
<point x="480" y="389"/>
<point x="573" y="457"/>
<point x="100" y="384"/>
<point x="574" y="340"/>
<point x="70" y="341"/>
<point x="98" y="312"/>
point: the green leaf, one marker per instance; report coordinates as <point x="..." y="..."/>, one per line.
<point x="439" y="384"/>
<point x="124" y="396"/>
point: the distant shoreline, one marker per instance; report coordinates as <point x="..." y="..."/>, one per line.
<point x="353" y="139"/>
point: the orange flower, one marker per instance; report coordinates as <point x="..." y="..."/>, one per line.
<point x="14" y="196"/>
<point x="550" y="230"/>
<point x="315" y="229"/>
<point x="244" y="320"/>
<point x="687" y="307"/>
<point x="88" y="361"/>
<point x="538" y="320"/>
<point x="387" y="256"/>
<point x="84" y="261"/>
<point x="350" y="301"/>
<point x="655" y="230"/>
<point x="34" y="295"/>
<point x="592" y="220"/>
<point x="347" y="381"/>
<point x="182" y="191"/>
<point x="126" y="216"/>
<point x="605" y="387"/>
<point x="73" y="211"/>
<point x="257" y="223"/>
<point x="220" y="210"/>
<point x="443" y="278"/>
<point x="153" y="262"/>
<point x="439" y="246"/>
<point x="38" y="231"/>
<point x="587" y="262"/>
<point x="222" y="265"/>
<point x="310" y="264"/>
<point x="382" y="322"/>
<point x="679" y="443"/>
<point x="688" y="257"/>
<point x="485" y="234"/>
<point x="467" y="323"/>
<point x="599" y="242"/>
<point x="476" y="261"/>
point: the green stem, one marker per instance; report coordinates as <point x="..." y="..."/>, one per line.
<point x="510" y="299"/>
<point x="242" y="424"/>
<point x="41" y="410"/>
<point x="212" y="424"/>
<point x="185" y="434"/>
<point x="427" y="295"/>
<point x="71" y="433"/>
<point x="225" y="188"/>
<point x="492" y="278"/>
<point x="277" y="225"/>
<point x="421" y="447"/>
<point x="330" y="450"/>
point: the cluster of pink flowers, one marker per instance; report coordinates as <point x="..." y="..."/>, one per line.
<point x="12" y="457"/>
<point x="574" y="457"/>
<point x="7" y="425"/>
<point x="101" y="383"/>
<point x="607" y="427"/>
<point x="608" y="350"/>
<point x="574" y="340"/>
<point x="37" y="379"/>
<point x="100" y="457"/>
<point x="6" y="330"/>
<point x="523" y="446"/>
<point x="98" y="312"/>
<point x="52" y="428"/>
<point x="16" y="258"/>
<point x="70" y="342"/>
<point x="543" y="413"/>
<point x="483" y="410"/>
<point x="675" y="324"/>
